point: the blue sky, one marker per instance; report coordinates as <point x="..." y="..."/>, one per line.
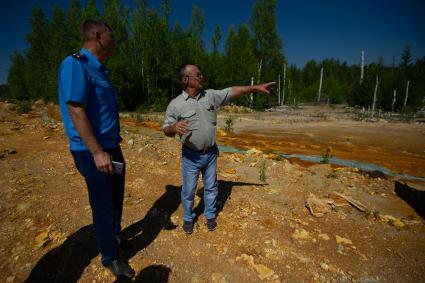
<point x="309" y="29"/>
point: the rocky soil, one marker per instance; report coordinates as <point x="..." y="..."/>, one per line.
<point x="300" y="224"/>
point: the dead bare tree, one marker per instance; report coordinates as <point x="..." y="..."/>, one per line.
<point x="290" y="90"/>
<point x="374" y="96"/>
<point x="278" y="90"/>
<point x="407" y="93"/>
<point x="320" y="85"/>
<point x="251" y="95"/>
<point x="362" y="67"/>
<point x="284" y="80"/>
<point x="260" y="65"/>
<point x="394" y="99"/>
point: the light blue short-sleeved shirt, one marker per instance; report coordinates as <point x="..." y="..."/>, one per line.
<point x="85" y="80"/>
<point x="201" y="113"/>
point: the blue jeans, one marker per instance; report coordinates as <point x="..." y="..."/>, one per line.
<point x="192" y="164"/>
<point x="106" y="195"/>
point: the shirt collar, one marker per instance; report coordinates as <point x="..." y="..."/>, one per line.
<point x="93" y="60"/>
<point x="186" y="96"/>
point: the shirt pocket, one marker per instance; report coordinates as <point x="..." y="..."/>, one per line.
<point x="105" y="92"/>
<point x="192" y="118"/>
<point x="210" y="113"/>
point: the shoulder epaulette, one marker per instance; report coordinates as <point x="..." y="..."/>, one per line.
<point x="79" y="56"/>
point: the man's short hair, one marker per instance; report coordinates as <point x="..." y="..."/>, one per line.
<point x="90" y="26"/>
<point x="182" y="70"/>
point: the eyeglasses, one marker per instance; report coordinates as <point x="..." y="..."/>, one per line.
<point x="198" y="75"/>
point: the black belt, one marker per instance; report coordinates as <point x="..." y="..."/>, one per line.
<point x="201" y="151"/>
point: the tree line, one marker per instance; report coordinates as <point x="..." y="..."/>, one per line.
<point x="150" y="51"/>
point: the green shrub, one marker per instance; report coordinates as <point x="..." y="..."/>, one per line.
<point x="326" y="155"/>
<point x="229" y="122"/>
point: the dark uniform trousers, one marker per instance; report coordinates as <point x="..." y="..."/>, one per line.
<point x="106" y="195"/>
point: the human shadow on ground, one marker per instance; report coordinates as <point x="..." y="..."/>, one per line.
<point x="151" y="274"/>
<point x="144" y="231"/>
<point x="224" y="192"/>
<point x="67" y="262"/>
<point x="414" y="197"/>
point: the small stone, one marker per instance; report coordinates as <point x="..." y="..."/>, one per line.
<point x="340" y="248"/>
<point x="397" y="223"/>
<point x="263" y="271"/>
<point x="230" y="171"/>
<point x="324" y="237"/>
<point x="300" y="234"/>
<point x="324" y="266"/>
<point x="341" y="240"/>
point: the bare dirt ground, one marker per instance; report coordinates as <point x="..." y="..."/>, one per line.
<point x="296" y="227"/>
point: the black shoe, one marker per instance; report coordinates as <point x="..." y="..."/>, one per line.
<point x="120" y="268"/>
<point x="123" y="243"/>
<point x="211" y="224"/>
<point x="188" y="227"/>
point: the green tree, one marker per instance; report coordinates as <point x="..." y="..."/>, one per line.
<point x="38" y="67"/>
<point x="116" y="15"/>
<point x="406" y="57"/>
<point x="268" y="46"/>
<point x="58" y="50"/>
<point x="90" y="11"/>
<point x="17" y="86"/>
<point x="215" y="67"/>
<point x="195" y="42"/>
<point x="180" y="54"/>
<point x="230" y="56"/>
<point x="241" y="62"/>
<point x="73" y="34"/>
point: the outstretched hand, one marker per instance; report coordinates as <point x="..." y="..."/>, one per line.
<point x="267" y="87"/>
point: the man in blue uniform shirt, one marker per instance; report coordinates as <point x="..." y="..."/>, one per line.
<point x="88" y="104"/>
<point x="193" y="116"/>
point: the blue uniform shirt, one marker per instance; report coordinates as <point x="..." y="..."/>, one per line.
<point x="84" y="80"/>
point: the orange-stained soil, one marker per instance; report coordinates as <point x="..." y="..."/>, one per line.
<point x="398" y="147"/>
